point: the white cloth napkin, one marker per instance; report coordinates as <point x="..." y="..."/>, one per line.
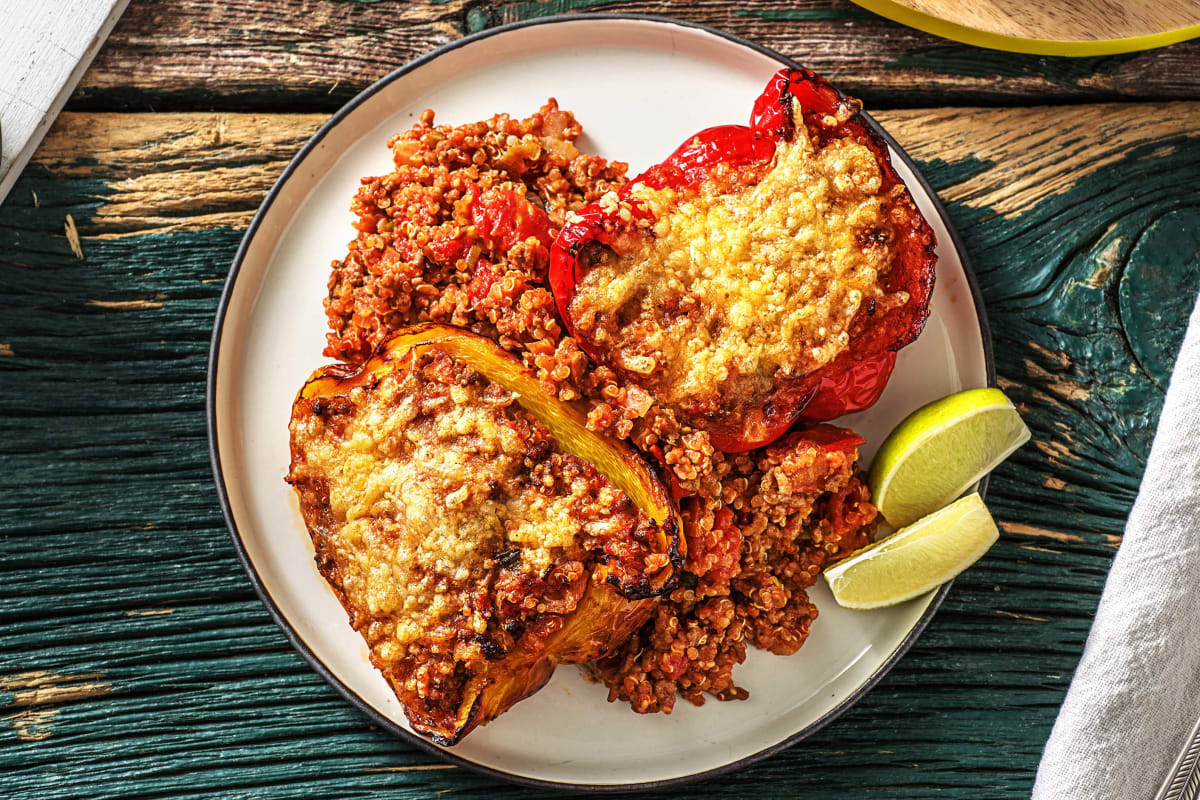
<point x="1136" y="693"/>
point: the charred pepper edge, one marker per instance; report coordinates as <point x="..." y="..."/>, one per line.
<point x="475" y="713"/>
<point x="617" y="461"/>
<point x="463" y="723"/>
<point x="479" y="706"/>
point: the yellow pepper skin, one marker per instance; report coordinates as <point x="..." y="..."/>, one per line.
<point x="613" y="605"/>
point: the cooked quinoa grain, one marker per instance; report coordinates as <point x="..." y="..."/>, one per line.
<point x="459" y="233"/>
<point x="434" y="243"/>
<point x="786" y="510"/>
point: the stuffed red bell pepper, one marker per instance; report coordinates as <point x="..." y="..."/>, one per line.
<point x="760" y="274"/>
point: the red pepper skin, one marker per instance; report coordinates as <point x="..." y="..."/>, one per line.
<point x="694" y="159"/>
<point x="830" y="437"/>
<point x="854" y="380"/>
<point x="502" y="218"/>
<point x="851" y="389"/>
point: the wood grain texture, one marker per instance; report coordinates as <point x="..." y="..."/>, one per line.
<point x="185" y="171"/>
<point x="1064" y="20"/>
<point x="314" y="55"/>
<point x="135" y="661"/>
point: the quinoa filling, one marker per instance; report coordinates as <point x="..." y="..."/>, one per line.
<point x="758" y="525"/>
<point x="431" y="242"/>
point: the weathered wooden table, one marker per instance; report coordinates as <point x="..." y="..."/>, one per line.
<point x="135" y="661"/>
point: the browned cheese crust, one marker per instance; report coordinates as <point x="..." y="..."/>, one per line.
<point x="755" y="277"/>
<point x="457" y="533"/>
<point x="781" y="527"/>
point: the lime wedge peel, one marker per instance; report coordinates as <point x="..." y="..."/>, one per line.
<point x="941" y="450"/>
<point x="916" y="559"/>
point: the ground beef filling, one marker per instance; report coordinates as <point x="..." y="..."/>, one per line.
<point x="751" y="279"/>
<point x="451" y="522"/>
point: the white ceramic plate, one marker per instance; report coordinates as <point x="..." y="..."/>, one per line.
<point x="639" y="86"/>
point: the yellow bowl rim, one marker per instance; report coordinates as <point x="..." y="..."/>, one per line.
<point x="898" y="12"/>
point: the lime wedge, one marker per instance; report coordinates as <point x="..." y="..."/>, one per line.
<point x="940" y="450"/>
<point x="916" y="559"/>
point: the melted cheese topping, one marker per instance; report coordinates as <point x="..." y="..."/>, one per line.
<point x="426" y="486"/>
<point x="735" y="289"/>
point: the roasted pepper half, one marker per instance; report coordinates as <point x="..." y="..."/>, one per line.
<point x="477" y="533"/>
<point x="880" y="234"/>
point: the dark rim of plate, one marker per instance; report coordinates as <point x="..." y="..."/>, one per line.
<point x="302" y="647"/>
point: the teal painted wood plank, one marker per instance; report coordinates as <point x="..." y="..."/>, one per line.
<point x="135" y="660"/>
